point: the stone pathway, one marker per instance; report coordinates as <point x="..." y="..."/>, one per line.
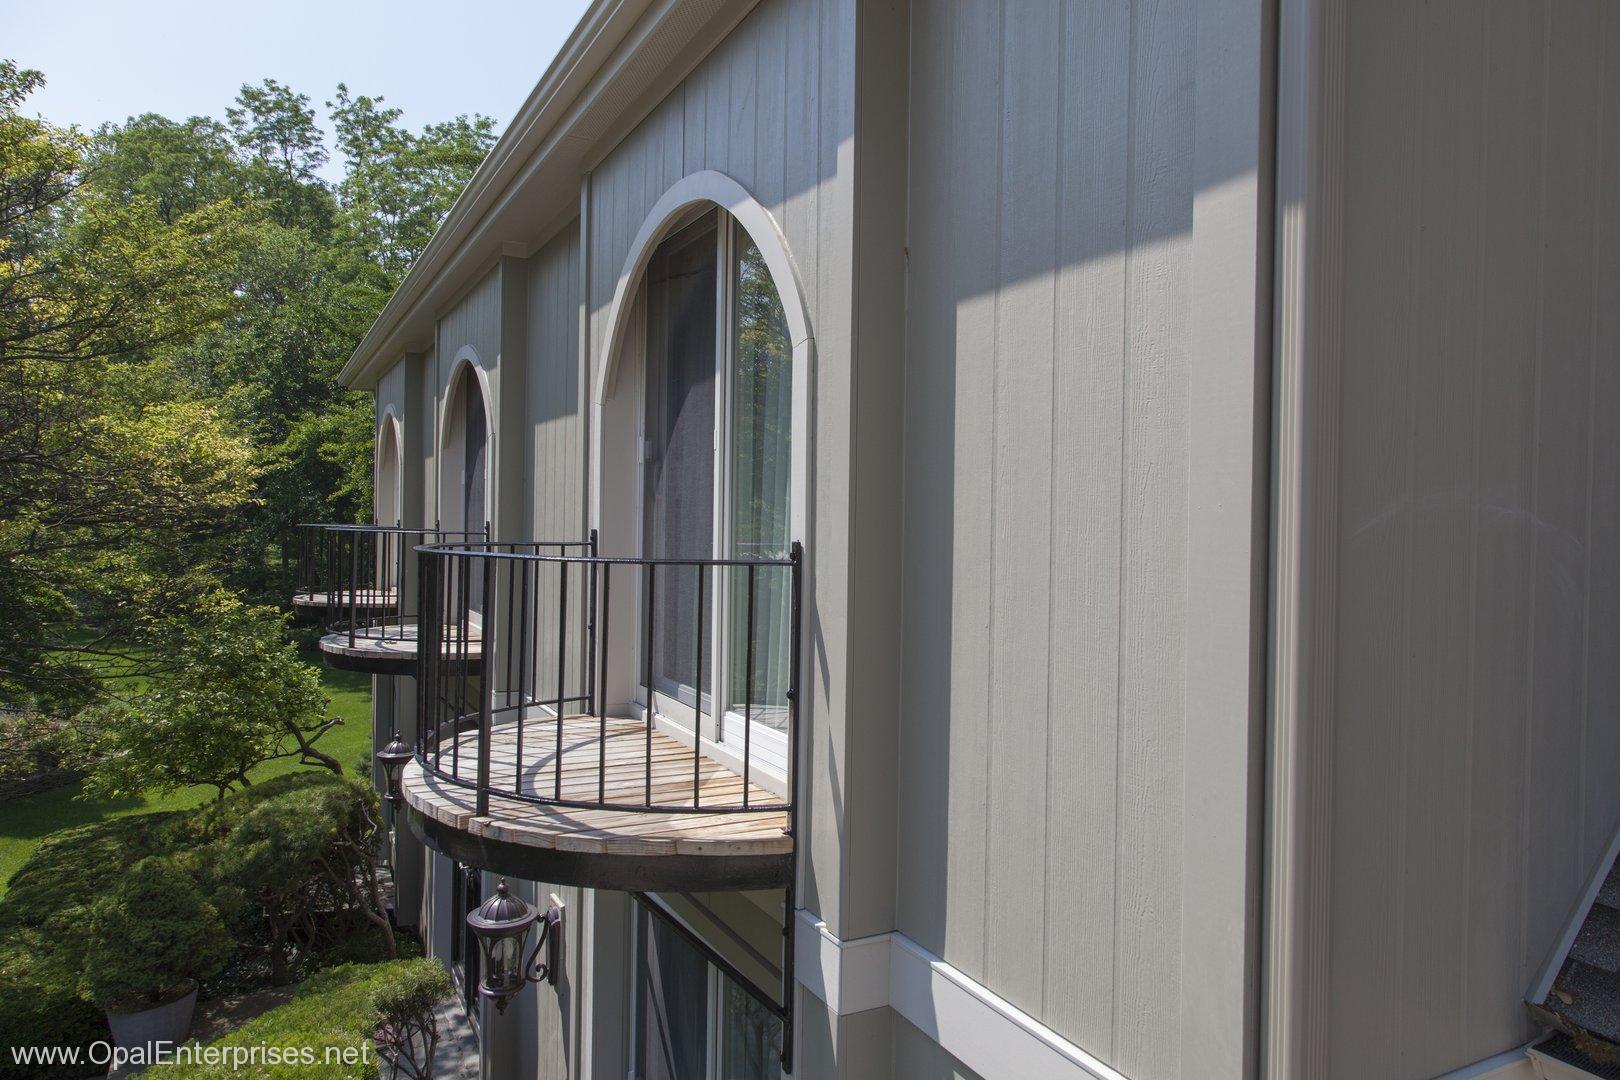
<point x="457" y="1055"/>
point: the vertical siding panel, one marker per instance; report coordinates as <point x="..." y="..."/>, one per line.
<point x="799" y="160"/>
<point x="975" y="123"/>
<point x="926" y="860"/>
<point x="1498" y="968"/>
<point x="1603" y="588"/>
<point x="743" y="110"/>
<point x="716" y="83"/>
<point x="695" y="105"/>
<point x="1153" y="490"/>
<point x="1087" y="399"/>
<point x="770" y="87"/>
<point x="1558" y="646"/>
<point x="1021" y="581"/>
<point x="1443" y="397"/>
<point x="1382" y="135"/>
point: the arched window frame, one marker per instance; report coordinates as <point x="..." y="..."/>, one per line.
<point x="679" y="206"/>
<point x="466" y="371"/>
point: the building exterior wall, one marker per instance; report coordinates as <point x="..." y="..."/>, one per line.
<point x="555" y="418"/>
<point x="1474" y="744"/>
<point x="473" y="323"/>
<point x="771" y="107"/>
<point x="1081" y="430"/>
<point x="918" y="1057"/>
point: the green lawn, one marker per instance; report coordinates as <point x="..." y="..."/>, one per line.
<point x="25" y="822"/>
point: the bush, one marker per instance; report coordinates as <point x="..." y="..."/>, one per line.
<point x="302" y="854"/>
<point x="44" y="949"/>
<point x="151" y="937"/>
<point x="40" y="1006"/>
<point x="342" y="1008"/>
<point x="42" y="917"/>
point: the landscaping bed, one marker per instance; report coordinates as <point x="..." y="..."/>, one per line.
<point x="264" y="887"/>
<point x="330" y="1028"/>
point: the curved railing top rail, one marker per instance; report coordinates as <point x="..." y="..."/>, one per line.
<point x="567" y="707"/>
<point x="366" y="527"/>
<point x="358" y="573"/>
<point x="506" y="550"/>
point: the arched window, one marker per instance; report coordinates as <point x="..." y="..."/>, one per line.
<point x="710" y="362"/>
<point x="390" y="488"/>
<point x="464" y="482"/>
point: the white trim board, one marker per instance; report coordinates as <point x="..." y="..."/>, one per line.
<point x="1512" y="1064"/>
<point x="978" y="1028"/>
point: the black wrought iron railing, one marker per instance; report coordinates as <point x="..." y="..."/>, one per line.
<point x="592" y="664"/>
<point x="357" y="576"/>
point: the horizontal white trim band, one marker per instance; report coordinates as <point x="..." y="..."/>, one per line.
<point x="980" y="1029"/>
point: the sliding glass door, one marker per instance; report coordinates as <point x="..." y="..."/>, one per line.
<point x="678" y="484"/>
<point x="718" y="467"/>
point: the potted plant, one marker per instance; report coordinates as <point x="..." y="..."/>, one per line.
<point x="148" y="942"/>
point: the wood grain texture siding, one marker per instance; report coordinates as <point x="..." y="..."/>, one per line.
<point x="1046" y="455"/>
<point x="1475" y="744"/>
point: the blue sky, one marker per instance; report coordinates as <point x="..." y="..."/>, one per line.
<point x="107" y="60"/>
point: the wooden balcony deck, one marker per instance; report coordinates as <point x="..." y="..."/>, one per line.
<point x="391" y="649"/>
<point x="370" y="598"/>
<point x="608" y="848"/>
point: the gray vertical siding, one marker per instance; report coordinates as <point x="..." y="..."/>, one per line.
<point x="1476" y="743"/>
<point x="772" y="107"/>
<point x="557" y="439"/>
<point x="474" y="321"/>
<point x="751" y="110"/>
<point x="1051" y="337"/>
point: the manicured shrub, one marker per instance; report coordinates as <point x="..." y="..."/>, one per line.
<point x="329" y="853"/>
<point x="302" y="855"/>
<point x="42" y="920"/>
<point x="340" y="1010"/>
<point x="40" y="1006"/>
<point x="151" y="937"/>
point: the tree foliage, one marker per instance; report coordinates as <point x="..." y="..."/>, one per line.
<point x="176" y="298"/>
<point x="232" y="695"/>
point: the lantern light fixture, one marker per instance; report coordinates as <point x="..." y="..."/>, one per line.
<point x="393" y="759"/>
<point x="502" y="925"/>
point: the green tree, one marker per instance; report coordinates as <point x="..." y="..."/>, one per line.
<point x="104" y="476"/>
<point x="232" y="696"/>
<point x="284" y="151"/>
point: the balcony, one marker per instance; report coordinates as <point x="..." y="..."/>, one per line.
<point x="555" y="763"/>
<point x="355" y="579"/>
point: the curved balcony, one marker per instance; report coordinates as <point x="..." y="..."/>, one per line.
<point x="555" y="763"/>
<point x="357" y="580"/>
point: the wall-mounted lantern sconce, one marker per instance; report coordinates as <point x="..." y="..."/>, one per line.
<point x="502" y="926"/>
<point x="393" y="759"/>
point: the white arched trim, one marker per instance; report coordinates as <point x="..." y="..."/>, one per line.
<point x="390" y="434"/>
<point x="711" y="188"/>
<point x="466" y="369"/>
<point x="466" y="357"/>
<point x="699" y="188"/>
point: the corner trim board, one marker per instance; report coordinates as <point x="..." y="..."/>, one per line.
<point x="974" y="1025"/>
